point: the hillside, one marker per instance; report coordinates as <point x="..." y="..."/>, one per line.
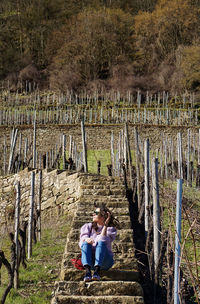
<point x="125" y="45"/>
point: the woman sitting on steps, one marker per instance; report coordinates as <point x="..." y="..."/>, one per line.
<point x="95" y="243"/>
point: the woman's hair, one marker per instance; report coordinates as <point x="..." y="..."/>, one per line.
<point x="104" y="213"/>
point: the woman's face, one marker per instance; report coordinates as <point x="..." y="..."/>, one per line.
<point x="97" y="217"/>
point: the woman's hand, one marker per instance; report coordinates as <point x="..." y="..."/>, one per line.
<point x="108" y="219"/>
<point x="89" y="241"/>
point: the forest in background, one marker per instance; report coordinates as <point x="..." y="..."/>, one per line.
<point x="115" y="44"/>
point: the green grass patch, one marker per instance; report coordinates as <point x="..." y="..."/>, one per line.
<point x="190" y="241"/>
<point x="94" y="156"/>
<point x="37" y="280"/>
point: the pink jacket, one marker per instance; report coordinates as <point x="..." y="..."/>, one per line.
<point x="88" y="232"/>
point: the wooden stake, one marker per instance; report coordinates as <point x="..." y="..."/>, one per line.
<point x="17" y="215"/>
<point x="180" y="155"/>
<point x="188" y="159"/>
<point x="84" y="147"/>
<point x="129" y="155"/>
<point x="30" y="220"/>
<point x="34" y="141"/>
<point x="146" y="186"/>
<point x="12" y="150"/>
<point x="39" y="206"/>
<point x="64" y="151"/>
<point x="112" y="153"/>
<point x="137" y="167"/>
<point x="156" y="212"/>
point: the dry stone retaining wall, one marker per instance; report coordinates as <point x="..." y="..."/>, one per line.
<point x="60" y="190"/>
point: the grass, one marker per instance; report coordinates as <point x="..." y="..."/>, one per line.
<point x="190" y="213"/>
<point x="94" y="156"/>
<point x="37" y="281"/>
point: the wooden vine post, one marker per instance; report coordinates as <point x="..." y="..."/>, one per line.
<point x="129" y="154"/>
<point x="137" y="168"/>
<point x="12" y="149"/>
<point x="85" y="164"/>
<point x="180" y="156"/>
<point x="156" y="212"/>
<point x="30" y="220"/>
<point x="39" y="206"/>
<point x="146" y="185"/>
<point x="198" y="156"/>
<point x="112" y="152"/>
<point x="17" y="249"/>
<point x="34" y="142"/>
<point x="177" y="242"/>
<point x="188" y="159"/>
<point x="64" y="151"/>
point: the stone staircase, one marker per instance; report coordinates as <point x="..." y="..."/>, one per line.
<point x="120" y="283"/>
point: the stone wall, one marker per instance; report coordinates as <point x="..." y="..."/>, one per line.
<point x="98" y="136"/>
<point x="60" y="190"/>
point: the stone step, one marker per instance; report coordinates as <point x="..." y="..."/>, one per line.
<point x="117" y="255"/>
<point x="73" y="274"/>
<point x="122" y="224"/>
<point x="62" y="299"/>
<point x="106" y="288"/>
<point x="95" y="195"/>
<point x="112" y="202"/>
<point x="105" y="185"/>
<point x="116" y="211"/>
<point x="122" y="261"/>
<point x="102" y="190"/>
<point x="122" y="247"/>
<point x="87" y="218"/>
<point x="88" y="177"/>
<point x="123" y="235"/>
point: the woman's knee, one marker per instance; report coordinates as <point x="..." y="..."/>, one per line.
<point x="101" y="244"/>
<point x="85" y="244"/>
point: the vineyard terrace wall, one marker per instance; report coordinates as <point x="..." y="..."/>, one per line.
<point x="98" y="136"/>
<point x="60" y="192"/>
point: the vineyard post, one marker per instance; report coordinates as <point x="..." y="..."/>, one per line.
<point x="84" y="146"/>
<point x="17" y="215"/>
<point x="180" y="155"/>
<point x="39" y="205"/>
<point x="112" y="153"/>
<point x="30" y="220"/>
<point x="172" y="157"/>
<point x="4" y="156"/>
<point x="146" y="185"/>
<point x="12" y="150"/>
<point x="34" y="141"/>
<point x="188" y="159"/>
<point x="118" y="156"/>
<point x="125" y="143"/>
<point x="177" y="242"/>
<point x="50" y="159"/>
<point x="165" y="157"/>
<point x="70" y="146"/>
<point x="199" y="147"/>
<point x="129" y="154"/>
<point x="156" y="212"/>
<point x="193" y="156"/>
<point x="40" y="161"/>
<point x="47" y="160"/>
<point x="64" y="151"/>
<point x="137" y="166"/>
<point x="19" y="152"/>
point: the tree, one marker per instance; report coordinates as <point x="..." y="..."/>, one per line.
<point x="159" y="33"/>
<point x="190" y="65"/>
<point x="92" y="43"/>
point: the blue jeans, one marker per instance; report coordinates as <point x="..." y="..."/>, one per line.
<point x="98" y="257"/>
